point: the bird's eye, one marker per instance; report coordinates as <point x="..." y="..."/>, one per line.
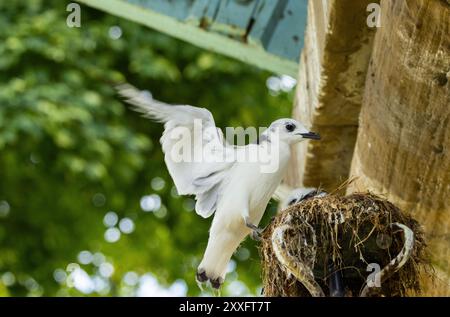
<point x="290" y="127"/>
<point x="293" y="201"/>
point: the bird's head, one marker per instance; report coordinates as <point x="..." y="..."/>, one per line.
<point x="290" y="131"/>
<point x="301" y="194"/>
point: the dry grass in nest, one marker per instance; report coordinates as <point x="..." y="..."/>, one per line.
<point x="352" y="232"/>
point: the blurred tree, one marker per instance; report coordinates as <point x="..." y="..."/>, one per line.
<point x="70" y="152"/>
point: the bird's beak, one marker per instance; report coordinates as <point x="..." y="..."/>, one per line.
<point x="310" y="135"/>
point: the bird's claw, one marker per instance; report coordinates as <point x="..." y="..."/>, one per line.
<point x="256" y="231"/>
<point x="253" y="227"/>
<point x="255" y="235"/>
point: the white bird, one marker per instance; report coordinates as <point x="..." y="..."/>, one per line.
<point x="236" y="189"/>
<point x="300" y="194"/>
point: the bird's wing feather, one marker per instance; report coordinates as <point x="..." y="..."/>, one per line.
<point x="203" y="176"/>
<point x="207" y="202"/>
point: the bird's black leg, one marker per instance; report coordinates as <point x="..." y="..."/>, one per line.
<point x="335" y="281"/>
<point x="256" y="233"/>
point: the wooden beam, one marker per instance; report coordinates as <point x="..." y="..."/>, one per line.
<point x="267" y="34"/>
<point x="331" y="80"/>
<point x="403" y="145"/>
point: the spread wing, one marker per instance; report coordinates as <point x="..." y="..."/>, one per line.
<point x="195" y="153"/>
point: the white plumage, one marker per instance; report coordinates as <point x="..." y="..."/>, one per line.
<point x="299" y="194"/>
<point x="227" y="180"/>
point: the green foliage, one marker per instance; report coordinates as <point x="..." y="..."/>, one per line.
<point x="70" y="150"/>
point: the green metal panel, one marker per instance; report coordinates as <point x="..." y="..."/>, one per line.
<point x="286" y="39"/>
<point x="203" y="12"/>
<point x="233" y="18"/>
<point x="265" y="33"/>
<point x="267" y="16"/>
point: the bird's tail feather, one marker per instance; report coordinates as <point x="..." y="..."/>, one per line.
<point x="219" y="251"/>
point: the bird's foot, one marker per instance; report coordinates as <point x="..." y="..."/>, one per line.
<point x="201" y="277"/>
<point x="255" y="235"/>
<point x="256" y="231"/>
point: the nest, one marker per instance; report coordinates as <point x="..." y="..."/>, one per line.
<point x="372" y="246"/>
